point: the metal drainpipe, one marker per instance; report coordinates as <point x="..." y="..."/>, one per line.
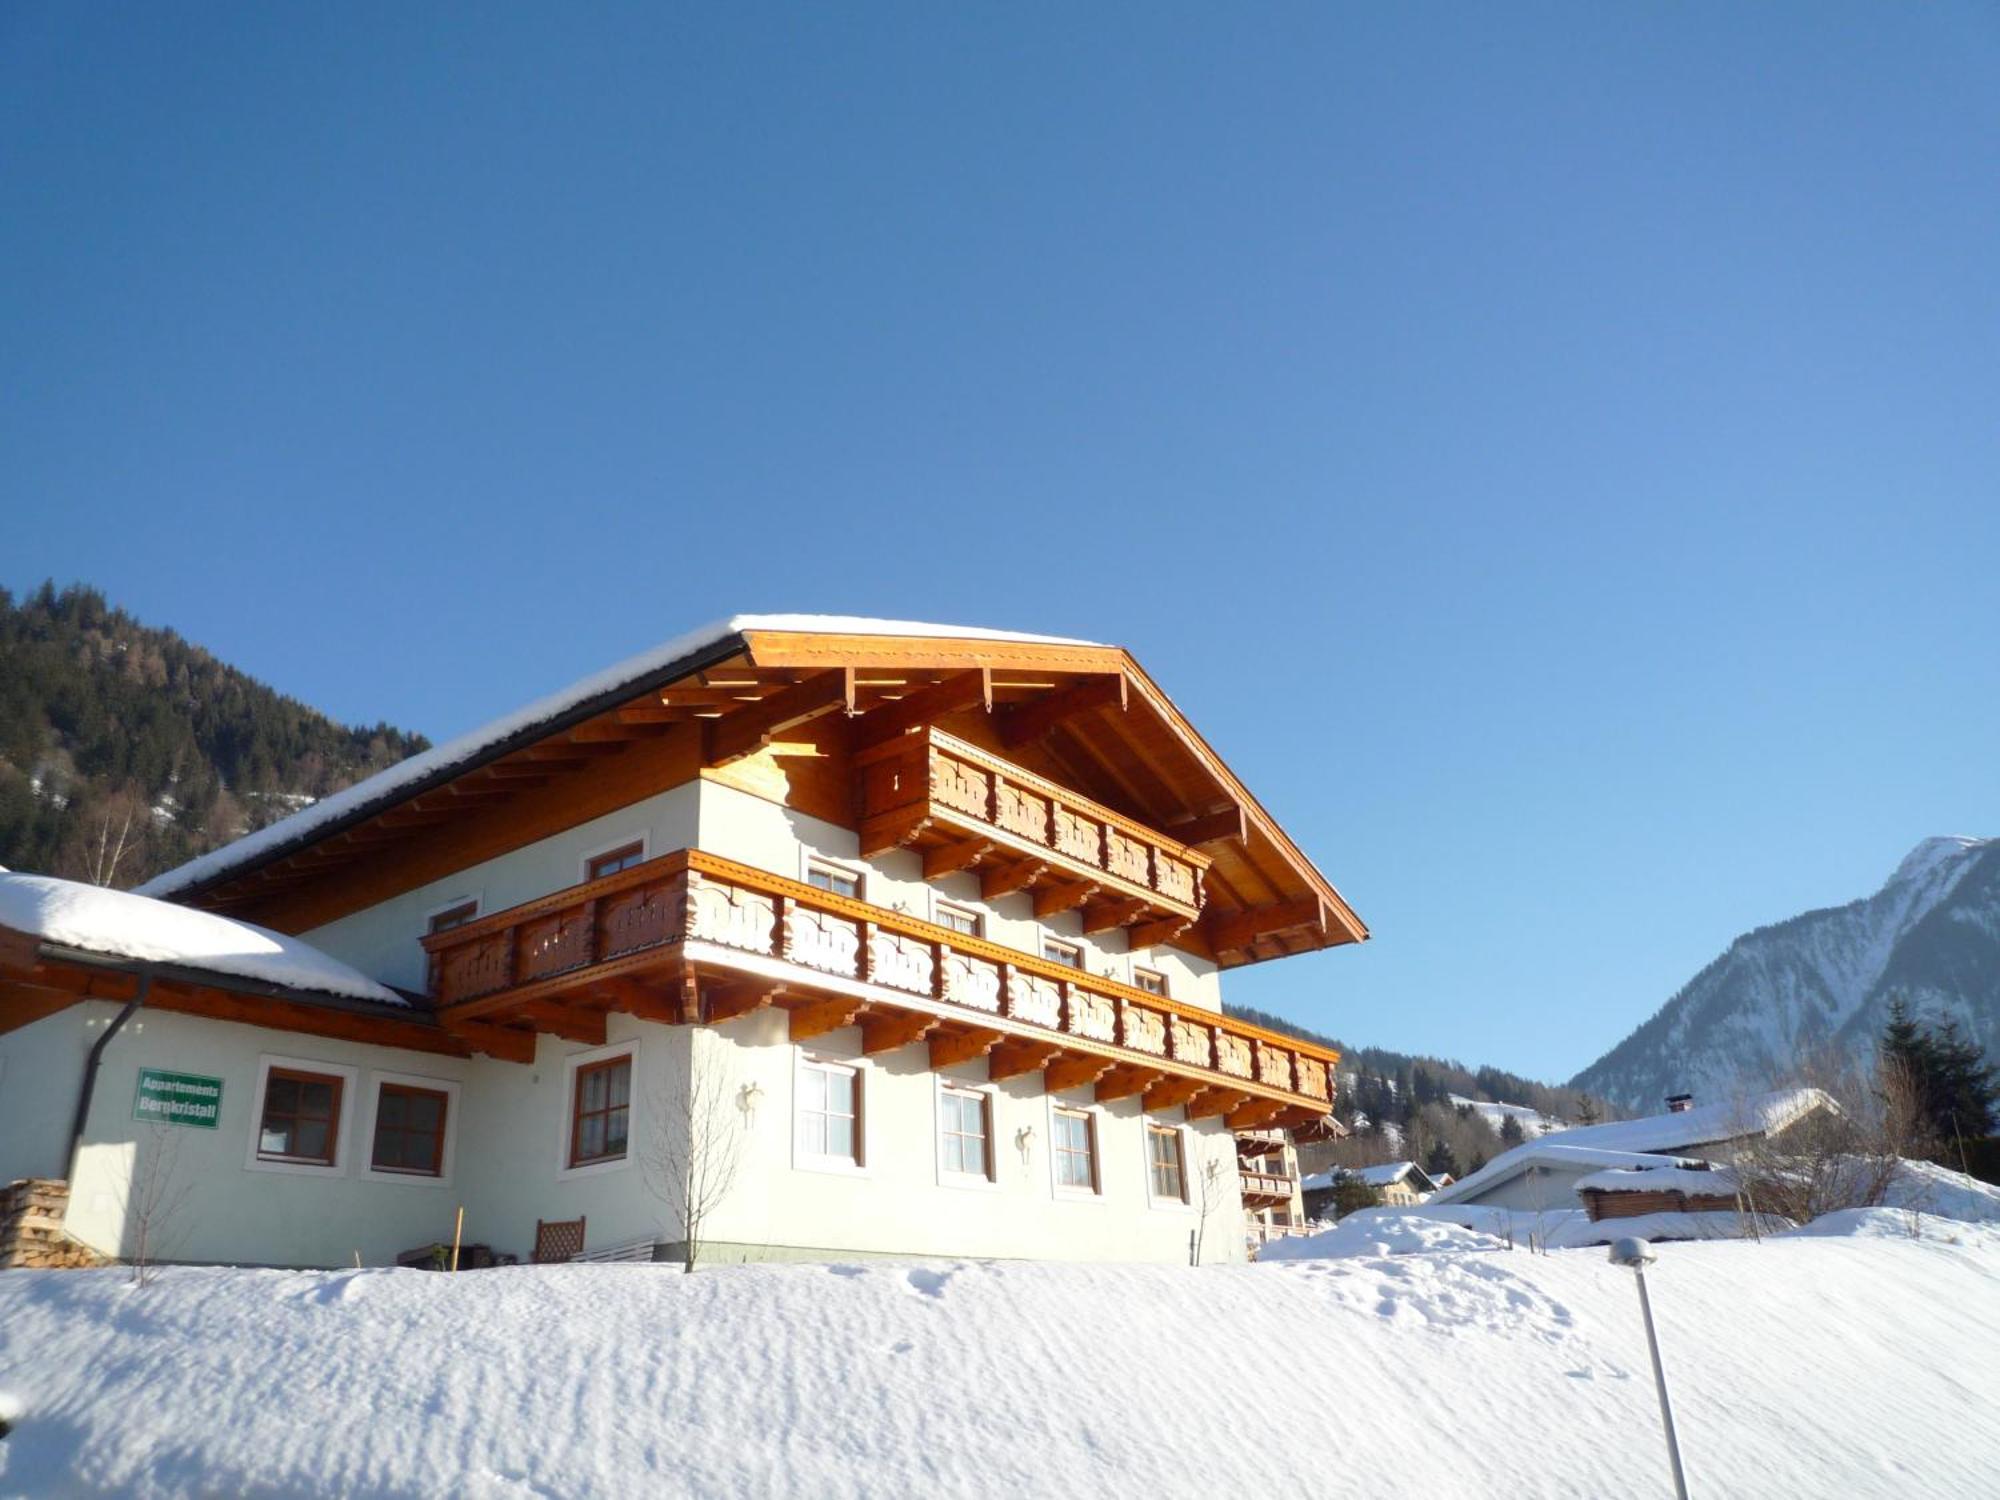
<point x="96" y="1057"/>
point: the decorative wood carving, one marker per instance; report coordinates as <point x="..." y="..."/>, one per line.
<point x="1020" y="812"/>
<point x="1127" y="857"/>
<point x="970" y="981"/>
<point x="1030" y="997"/>
<point x="822" y="941"/>
<point x="958" y="785"/>
<point x="902" y="963"/>
<point x="1192" y="1043"/>
<point x="1232" y="1055"/>
<point x="1145" y="1030"/>
<point x="730" y="915"/>
<point x="1079" y="837"/>
<point x="1094" y="1016"/>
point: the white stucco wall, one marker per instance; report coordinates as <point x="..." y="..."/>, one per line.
<point x="1537" y="1190"/>
<point x="507" y="1151"/>
<point x="902" y="1202"/>
<point x="384" y="940"/>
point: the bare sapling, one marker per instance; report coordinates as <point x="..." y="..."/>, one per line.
<point x="695" y="1147"/>
<point x="157" y="1195"/>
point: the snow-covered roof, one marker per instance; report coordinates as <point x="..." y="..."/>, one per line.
<point x="444" y="759"/>
<point x="119" y="924"/>
<point x="1379" y="1176"/>
<point x="1655" y="1136"/>
<point x="1725" y="1224"/>
<point x="1545" y="1153"/>
<point x="1661" y="1180"/>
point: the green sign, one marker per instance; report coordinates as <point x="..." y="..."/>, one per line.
<point x="178" y="1098"/>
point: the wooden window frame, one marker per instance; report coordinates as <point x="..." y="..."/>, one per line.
<point x="383" y="1088"/>
<point x="956" y="909"/>
<point x="1154" y="1130"/>
<point x="817" y="1161"/>
<point x="1075" y="950"/>
<point x="622" y="849"/>
<point x="303" y="1071"/>
<point x="957" y="1176"/>
<point x="835" y="869"/>
<point x="1092" y="1152"/>
<point x="1158" y="985"/>
<point x="577" y="1113"/>
<point x="463" y="911"/>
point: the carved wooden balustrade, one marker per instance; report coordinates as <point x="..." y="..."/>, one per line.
<point x="964" y="807"/>
<point x="692" y="910"/>
<point x="1266" y="1187"/>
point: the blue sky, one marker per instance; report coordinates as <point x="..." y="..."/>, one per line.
<point x="1551" y="452"/>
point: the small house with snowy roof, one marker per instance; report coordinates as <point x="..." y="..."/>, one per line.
<point x="911" y="935"/>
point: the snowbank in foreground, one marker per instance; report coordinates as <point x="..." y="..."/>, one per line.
<point x="1802" y="1366"/>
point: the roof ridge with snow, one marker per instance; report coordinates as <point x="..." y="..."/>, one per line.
<point x="443" y="760"/>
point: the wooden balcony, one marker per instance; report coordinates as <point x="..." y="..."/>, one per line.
<point x="1267" y="1189"/>
<point x="693" y="938"/>
<point x="965" y="808"/>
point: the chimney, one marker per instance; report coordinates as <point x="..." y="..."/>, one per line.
<point x="1679" y="1104"/>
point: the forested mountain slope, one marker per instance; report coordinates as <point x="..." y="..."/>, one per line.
<point x="125" y="749"/>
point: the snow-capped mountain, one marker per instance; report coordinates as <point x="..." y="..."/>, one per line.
<point x="1822" y="982"/>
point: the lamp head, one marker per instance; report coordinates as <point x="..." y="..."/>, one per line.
<point x="1633" y="1252"/>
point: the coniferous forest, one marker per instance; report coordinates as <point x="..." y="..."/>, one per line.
<point x="125" y="749"/>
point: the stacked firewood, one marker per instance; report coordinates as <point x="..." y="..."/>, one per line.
<point x="31" y="1227"/>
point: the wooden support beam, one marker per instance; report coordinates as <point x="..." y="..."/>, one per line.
<point x="888" y="1030"/>
<point x="755" y="725"/>
<point x="1236" y="932"/>
<point x="1073" y="1072"/>
<point x="949" y="859"/>
<point x="502" y="1043"/>
<point x="1214" y="1101"/>
<point x="557" y="1019"/>
<point x="1169" y="1092"/>
<point x="1027" y="722"/>
<point x="1124" y="1080"/>
<point x="1257" y="1114"/>
<point x="636" y="998"/>
<point x="1015" y="875"/>
<point x="809" y="1021"/>
<point x="952" y="694"/>
<point x="1160" y="930"/>
<point x="611" y="731"/>
<point x="1102" y="916"/>
<point x="950" y="1049"/>
<point x="1231" y="824"/>
<point x="1018" y="1055"/>
<point x="1062" y="896"/>
<point x="725" y="1002"/>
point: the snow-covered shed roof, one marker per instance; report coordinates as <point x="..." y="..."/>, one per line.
<point x="1378" y="1176"/>
<point x="119" y="924"/>
<point x="669" y="658"/>
<point x="1652" y="1142"/>
<point x="1707" y="1182"/>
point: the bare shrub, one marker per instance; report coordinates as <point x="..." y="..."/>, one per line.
<point x="694" y="1147"/>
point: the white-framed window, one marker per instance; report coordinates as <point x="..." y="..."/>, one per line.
<point x="302" y="1117"/>
<point x="1073" y="1158"/>
<point x="1056" y="951"/>
<point x="829" y="1115"/>
<point x="411" y="1129"/>
<point x="834" y="878"/>
<point x="1166" y="1164"/>
<point x="965" y="1134"/>
<point x="961" y="919"/>
<point x="621" y="854"/>
<point x="1152" y="981"/>
<point x="600" y="1109"/>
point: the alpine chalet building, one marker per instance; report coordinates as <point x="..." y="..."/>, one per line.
<point x="858" y="937"/>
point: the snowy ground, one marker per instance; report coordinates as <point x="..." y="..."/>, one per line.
<point x="1859" y="1363"/>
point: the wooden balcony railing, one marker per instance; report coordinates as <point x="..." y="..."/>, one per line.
<point x="692" y="907"/>
<point x="1267" y="1186"/>
<point x="964" y="807"/>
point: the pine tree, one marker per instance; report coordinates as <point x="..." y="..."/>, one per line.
<point x="1511" y="1133"/>
<point x="1441" y="1160"/>
<point x="1951" y="1088"/>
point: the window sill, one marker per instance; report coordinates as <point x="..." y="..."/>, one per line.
<point x="831" y="1166"/>
<point x="296" y="1168"/>
<point x="594" y="1168"/>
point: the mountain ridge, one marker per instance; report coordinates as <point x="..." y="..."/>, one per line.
<point x="1817" y="986"/>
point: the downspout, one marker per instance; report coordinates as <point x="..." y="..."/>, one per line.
<point x="96" y="1057"/>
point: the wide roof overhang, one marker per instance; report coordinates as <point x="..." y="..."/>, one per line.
<point x="1085" y="714"/>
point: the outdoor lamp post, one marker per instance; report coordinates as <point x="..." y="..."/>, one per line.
<point x="1637" y="1254"/>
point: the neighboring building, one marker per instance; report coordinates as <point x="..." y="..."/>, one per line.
<point x="1629" y="1193"/>
<point x="1544" y="1174"/>
<point x="1268" y="1164"/>
<point x="1397" y="1184"/>
<point x="934" y="918"/>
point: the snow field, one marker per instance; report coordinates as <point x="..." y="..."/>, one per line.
<point x="1808" y="1365"/>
